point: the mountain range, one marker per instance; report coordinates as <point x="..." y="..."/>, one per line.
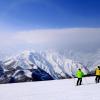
<point x="38" y="66"/>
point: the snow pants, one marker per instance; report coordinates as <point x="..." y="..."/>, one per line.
<point x="79" y="81"/>
<point x="97" y="79"/>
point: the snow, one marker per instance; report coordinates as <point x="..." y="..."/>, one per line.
<point x="51" y="90"/>
<point x="28" y="73"/>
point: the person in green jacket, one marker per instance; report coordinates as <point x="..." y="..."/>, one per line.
<point x="79" y="75"/>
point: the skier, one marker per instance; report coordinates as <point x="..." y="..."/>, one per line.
<point x="97" y="79"/>
<point x="79" y="75"/>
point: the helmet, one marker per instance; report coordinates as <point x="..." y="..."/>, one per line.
<point x="98" y="66"/>
<point x="79" y="69"/>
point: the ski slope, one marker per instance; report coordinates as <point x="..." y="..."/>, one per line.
<point x="51" y="90"/>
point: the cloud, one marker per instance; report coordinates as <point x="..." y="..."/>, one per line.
<point x="43" y="37"/>
<point x="82" y="35"/>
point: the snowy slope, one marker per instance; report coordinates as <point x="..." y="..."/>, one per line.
<point x="63" y="65"/>
<point x="51" y="90"/>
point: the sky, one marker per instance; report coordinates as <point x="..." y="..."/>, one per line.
<point x="43" y="24"/>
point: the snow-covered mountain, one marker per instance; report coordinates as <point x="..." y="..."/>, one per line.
<point x="47" y="64"/>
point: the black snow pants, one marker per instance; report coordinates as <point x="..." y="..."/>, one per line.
<point x="97" y="79"/>
<point x="79" y="81"/>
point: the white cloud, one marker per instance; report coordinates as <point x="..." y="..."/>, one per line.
<point x="67" y="36"/>
<point x="53" y="35"/>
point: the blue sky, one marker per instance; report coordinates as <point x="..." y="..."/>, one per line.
<point x="29" y="14"/>
<point x="29" y="23"/>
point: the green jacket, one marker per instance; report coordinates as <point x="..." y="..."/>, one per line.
<point x="79" y="74"/>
